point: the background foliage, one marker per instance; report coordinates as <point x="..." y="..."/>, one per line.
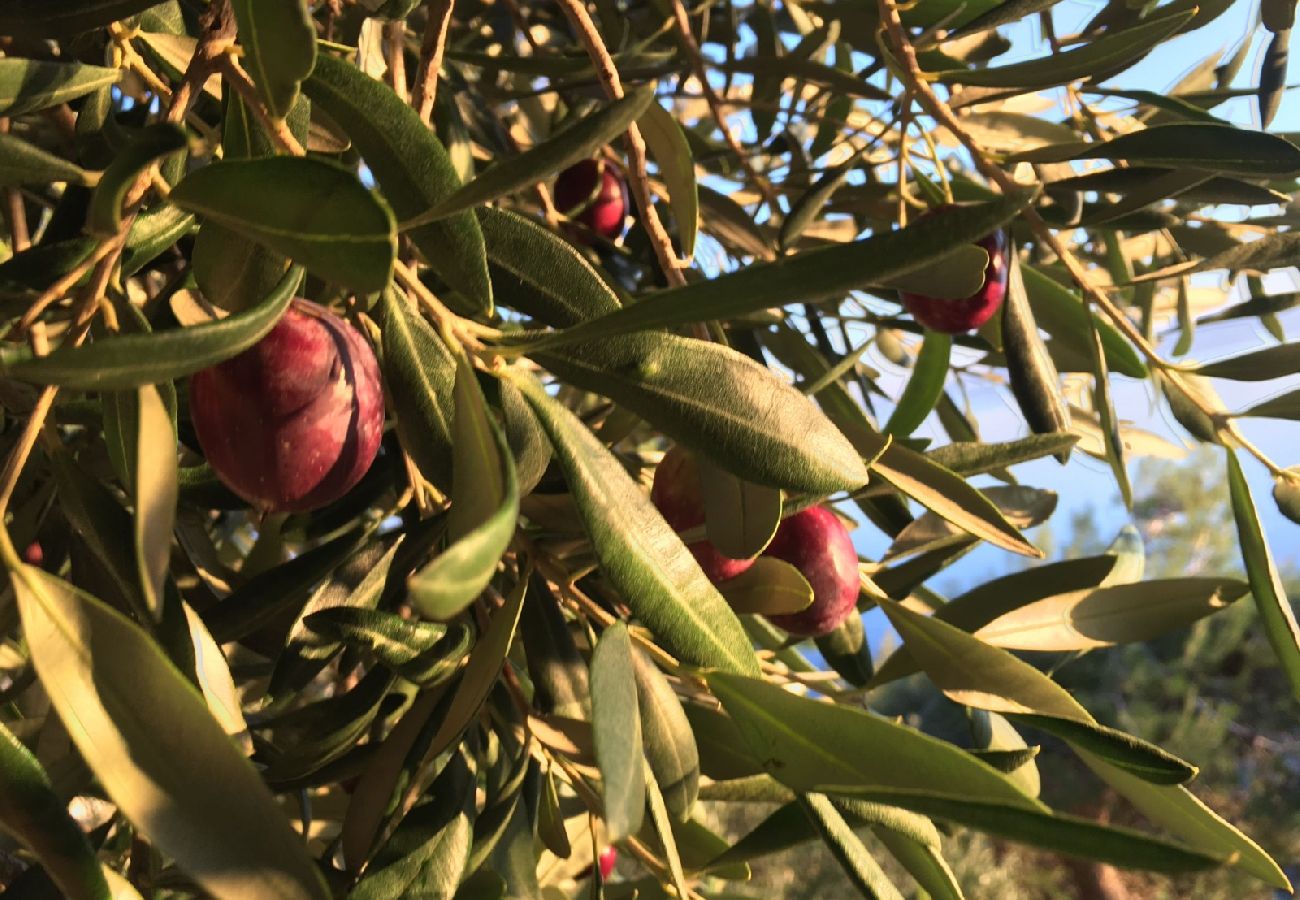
<point x="493" y="657"/>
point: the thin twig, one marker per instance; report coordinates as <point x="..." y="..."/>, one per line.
<point x="636" y="150"/>
<point x="277" y="128"/>
<point x="431" y="50"/>
<point x="395" y="37"/>
<point x="692" y="47"/>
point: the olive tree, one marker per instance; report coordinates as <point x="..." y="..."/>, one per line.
<point x="251" y="649"/>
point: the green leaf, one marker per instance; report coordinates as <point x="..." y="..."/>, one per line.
<point x="954" y="276"/>
<point x="1196" y="145"/>
<point x="671" y="151"/>
<point x="24" y="163"/>
<point x="128" y="361"/>
<point x="539" y="274"/>
<point x="1073" y="836"/>
<point x="1021" y="505"/>
<point x="420" y="375"/>
<point x="574" y="143"/>
<point x="231" y="270"/>
<point x="279" y="43"/>
<point x="847" y="651"/>
<point x="484" y="508"/>
<point x="640" y="554"/>
<point x="950" y="497"/>
<point x="1034" y="380"/>
<point x="968" y="458"/>
<point x="819" y="274"/>
<point x="266" y="596"/>
<point x="741" y="517"/>
<point x="559" y="673"/>
<point x="863" y="871"/>
<point x="367" y="811"/>
<point x="424" y="653"/>
<point x="770" y="587"/>
<point x="924" y="387"/>
<point x="411" y="167"/>
<point x="33" y="813"/>
<point x="616" y="723"/>
<point x="1110" y="53"/>
<point x="315" y="212"/>
<point x="1258" y="365"/>
<point x="110" y="685"/>
<point x="1063" y="315"/>
<point x="1103" y="617"/>
<point x="925" y="864"/>
<point x="669" y="744"/>
<point x="1178" y="810"/>
<point x="975" y="674"/>
<point x="1275" y="610"/>
<point x="663" y="824"/>
<point x="983" y="604"/>
<point x="104" y="217"/>
<point x="809" y="745"/>
<point x="428" y="852"/>
<point x="155" y="490"/>
<point x="720" y="404"/>
<point x="1284" y="406"/>
<point x="27" y="85"/>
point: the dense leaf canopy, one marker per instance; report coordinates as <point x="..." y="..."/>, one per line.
<point x="495" y="655"/>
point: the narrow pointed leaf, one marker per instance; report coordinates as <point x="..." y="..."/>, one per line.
<point x="1275" y="610"/>
<point x="25" y="163"/>
<point x="155" y="485"/>
<point x="720" y="404"/>
<point x="809" y="745"/>
<point x="976" y="674"/>
<point x="411" y="166"/>
<point x="104" y="217"/>
<point x="847" y="848"/>
<point x="279" y="42"/>
<point x="539" y="274"/>
<point x="671" y="151"/>
<point x="1087" y="619"/>
<point x="740" y="517"/>
<point x="1108" y="53"/>
<point x="1197" y="145"/>
<point x="770" y="587"/>
<point x="669" y="743"/>
<point x="420" y="374"/>
<point x="950" y="497"/>
<point x="576" y="142"/>
<point x="33" y="813"/>
<point x="109" y="683"/>
<point x="27" y="85"/>
<point x="820" y="274"/>
<point x="128" y="361"/>
<point x="315" y="212"/>
<point x="616" y="723"/>
<point x="1034" y="379"/>
<point x="1177" y="809"/>
<point x="641" y="554"/>
<point x="924" y="387"/>
<point x="484" y="510"/>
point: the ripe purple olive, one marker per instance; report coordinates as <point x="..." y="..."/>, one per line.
<point x="960" y="316"/>
<point x="606" y="861"/>
<point x="677" y="494"/>
<point x="592" y="193"/>
<point x="293" y="422"/>
<point x="34" y="554"/>
<point x="816" y="543"/>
